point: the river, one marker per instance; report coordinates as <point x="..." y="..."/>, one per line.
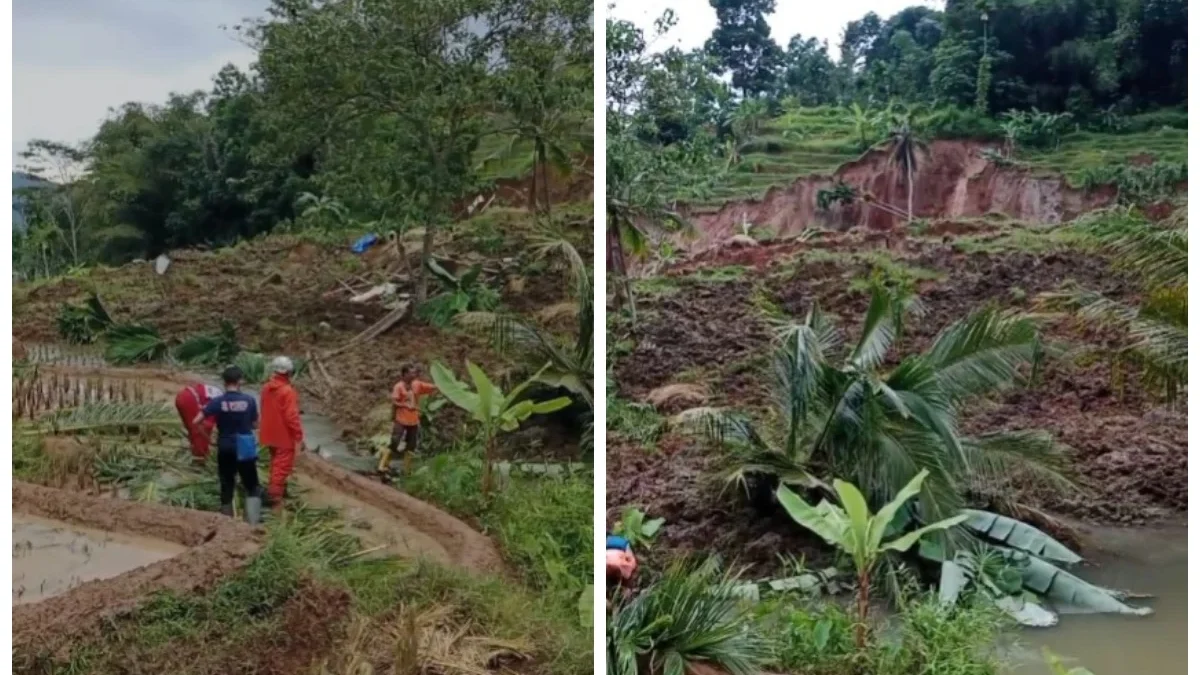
<point x="1146" y="560"/>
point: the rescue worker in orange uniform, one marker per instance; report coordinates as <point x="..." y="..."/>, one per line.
<point x="406" y="426"/>
<point x="280" y="428"/>
<point x="188" y="403"/>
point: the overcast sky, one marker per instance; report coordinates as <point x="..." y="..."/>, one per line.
<point x="75" y="59"/>
<point x="822" y="19"/>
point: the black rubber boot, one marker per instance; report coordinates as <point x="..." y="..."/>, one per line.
<point x="227" y="510"/>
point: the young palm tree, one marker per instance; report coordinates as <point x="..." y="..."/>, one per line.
<point x="849" y="417"/>
<point x="693" y="615"/>
<point x="570" y="363"/>
<point x="906" y="153"/>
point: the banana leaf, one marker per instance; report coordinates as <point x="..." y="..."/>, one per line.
<point x="1067" y="590"/>
<point x="1055" y="585"/>
<point x="1015" y="534"/>
<point x="1027" y="612"/>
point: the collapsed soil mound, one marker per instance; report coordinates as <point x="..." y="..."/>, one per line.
<point x="954" y="180"/>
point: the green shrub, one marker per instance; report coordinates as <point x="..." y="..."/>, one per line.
<point x="692" y="614"/>
<point x="543" y="524"/>
<point x="83" y="324"/>
<point x="816" y="640"/>
<point x="1172" y="118"/>
<point x="947" y="641"/>
<point x="958" y="123"/>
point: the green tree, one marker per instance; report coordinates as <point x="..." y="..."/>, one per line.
<point x="57" y="203"/>
<point x="545" y="88"/>
<point x="491" y="408"/>
<point x="858" y="532"/>
<point x="742" y="44"/>
<point x="807" y="72"/>
<point x="422" y="69"/>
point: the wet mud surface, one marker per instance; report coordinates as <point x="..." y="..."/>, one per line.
<point x="51" y="557"/>
<point x="215" y="547"/>
<point x="447" y="537"/>
<point x="1127" y="453"/>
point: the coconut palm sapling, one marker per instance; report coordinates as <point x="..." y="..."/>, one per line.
<point x="847" y="416"/>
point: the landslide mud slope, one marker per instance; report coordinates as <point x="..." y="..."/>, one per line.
<point x="954" y="181"/>
<point x="1126" y="451"/>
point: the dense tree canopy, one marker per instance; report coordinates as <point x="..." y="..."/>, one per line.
<point x="378" y="112"/>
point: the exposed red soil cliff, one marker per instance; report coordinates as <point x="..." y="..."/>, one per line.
<point x="954" y="181"/>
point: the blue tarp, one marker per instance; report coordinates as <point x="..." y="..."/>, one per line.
<point x="365" y="242"/>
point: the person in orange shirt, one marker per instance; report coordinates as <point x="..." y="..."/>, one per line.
<point x="279" y="428"/>
<point x="406" y="399"/>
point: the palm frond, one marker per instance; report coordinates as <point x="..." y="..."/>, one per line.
<point x="1032" y="454"/>
<point x="1156" y="253"/>
<point x="982" y="353"/>
<point x="1159" y="348"/>
<point x="878" y="331"/>
<point x="107" y="417"/>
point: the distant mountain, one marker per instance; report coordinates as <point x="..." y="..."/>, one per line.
<point x="20" y="181"/>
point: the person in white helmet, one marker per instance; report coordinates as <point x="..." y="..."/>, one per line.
<point x="280" y="428"/>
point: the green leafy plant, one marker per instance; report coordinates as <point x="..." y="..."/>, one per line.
<point x="460" y="294"/>
<point x="849" y="417"/>
<point x="692" y="614"/>
<point x="216" y="349"/>
<point x="569" y="363"/>
<point x="840" y="194"/>
<point x="489" y="406"/>
<point x="134" y="343"/>
<point x="1019" y="566"/>
<point x="855" y="530"/>
<point x="639" y="531"/>
<point x="83" y="324"/>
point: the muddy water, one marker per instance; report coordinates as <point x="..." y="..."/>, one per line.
<point x="1152" y="561"/>
<point x="51" y="558"/>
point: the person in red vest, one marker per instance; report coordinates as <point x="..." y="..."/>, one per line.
<point x="188" y="403"/>
<point x="280" y="428"/>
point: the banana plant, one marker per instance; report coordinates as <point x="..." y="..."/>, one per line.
<point x="1033" y="560"/>
<point x="636" y="528"/>
<point x="489" y="406"/>
<point x="854" y="529"/>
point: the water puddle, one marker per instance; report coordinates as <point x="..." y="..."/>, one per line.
<point x="1152" y="561"/>
<point x="51" y="557"/>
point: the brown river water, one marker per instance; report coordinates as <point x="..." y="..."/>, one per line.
<point x="51" y="558"/>
<point x="1147" y="560"/>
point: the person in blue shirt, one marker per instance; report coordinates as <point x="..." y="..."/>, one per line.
<point x="236" y="414"/>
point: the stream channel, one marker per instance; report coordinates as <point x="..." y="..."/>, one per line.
<point x="1150" y="560"/>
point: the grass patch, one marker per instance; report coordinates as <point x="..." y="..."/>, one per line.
<point x="818" y="639"/>
<point x="637" y="422"/>
<point x="1021" y="240"/>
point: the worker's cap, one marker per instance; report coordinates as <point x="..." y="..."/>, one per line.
<point x="616" y="543"/>
<point x="282" y="364"/>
